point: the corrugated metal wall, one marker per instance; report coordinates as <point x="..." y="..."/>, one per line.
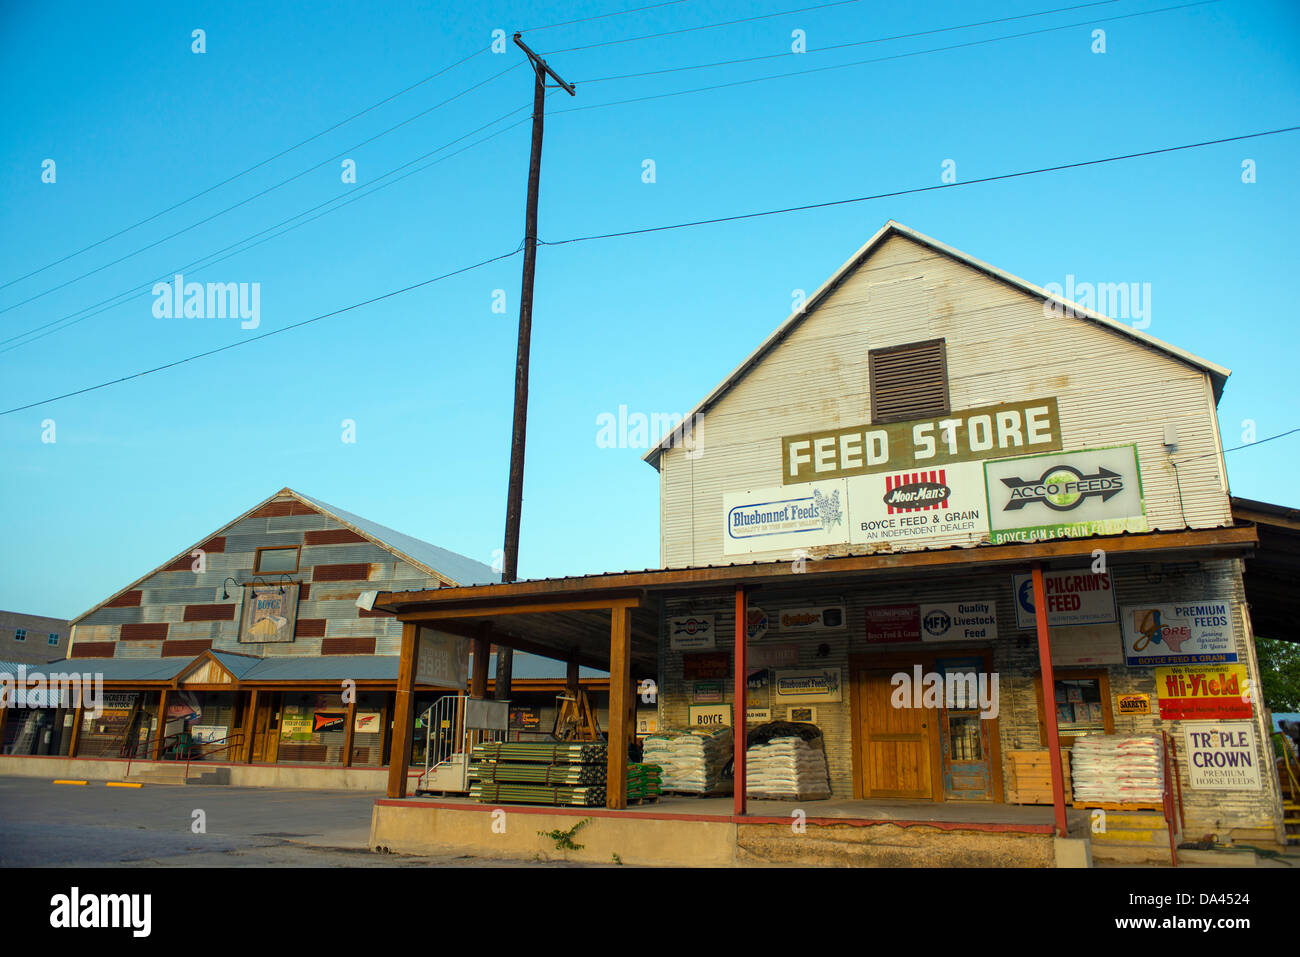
<point x="1001" y="347"/>
<point x="165" y="595"/>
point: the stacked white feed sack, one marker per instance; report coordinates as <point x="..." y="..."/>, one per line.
<point x="787" y="767"/>
<point x="693" y="760"/>
<point x="1117" y="769"/>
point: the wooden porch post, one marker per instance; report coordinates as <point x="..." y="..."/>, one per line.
<point x="620" y="677"/>
<point x="738" y="716"/>
<point x="155" y="752"/>
<point x="76" y="731"/>
<point x="348" y="731"/>
<point x="250" y="728"/>
<point x="404" y="705"/>
<point x="4" y="714"/>
<point x="482" y="653"/>
<point x="1049" y="698"/>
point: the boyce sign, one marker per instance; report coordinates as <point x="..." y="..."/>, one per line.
<point x="1194" y="633"/>
<point x="983" y="433"/>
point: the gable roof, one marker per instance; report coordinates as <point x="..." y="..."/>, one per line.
<point x="450" y="568"/>
<point x="1217" y="373"/>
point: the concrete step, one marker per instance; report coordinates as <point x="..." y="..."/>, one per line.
<point x="177" y="776"/>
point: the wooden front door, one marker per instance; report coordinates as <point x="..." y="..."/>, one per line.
<point x="895" y="742"/>
<point x="266" y="728"/>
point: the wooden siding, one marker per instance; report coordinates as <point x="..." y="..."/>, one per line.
<point x="1001" y="347"/>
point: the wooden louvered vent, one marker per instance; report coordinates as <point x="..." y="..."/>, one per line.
<point x="908" y="381"/>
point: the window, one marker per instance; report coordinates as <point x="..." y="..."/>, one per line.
<point x="53" y="639"/>
<point x="20" y="634"/>
<point x="275" y="561"/>
<point x="908" y="381"/>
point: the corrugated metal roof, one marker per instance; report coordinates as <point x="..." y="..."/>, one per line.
<point x="237" y="664"/>
<point x="1218" y="374"/>
<point x="123" y="669"/>
<point x="577" y="580"/>
<point x="324" y="668"/>
<point x="459" y="568"/>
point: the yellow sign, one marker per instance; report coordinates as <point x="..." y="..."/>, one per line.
<point x="1135" y="704"/>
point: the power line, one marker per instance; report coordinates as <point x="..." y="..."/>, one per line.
<point x="603" y="16"/>
<point x="652" y="229"/>
<point x="853" y="63"/>
<point x="315" y="136"/>
<point x="921" y="189"/>
<point x="126" y="295"/>
<point x="266" y="335"/>
<point x="855" y="43"/>
<point x="245" y="172"/>
<point x="258" y="195"/>
<point x="706" y="26"/>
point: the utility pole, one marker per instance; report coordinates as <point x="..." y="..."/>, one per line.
<point x="514" y="497"/>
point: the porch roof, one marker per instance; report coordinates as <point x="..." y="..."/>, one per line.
<point x="569" y="618"/>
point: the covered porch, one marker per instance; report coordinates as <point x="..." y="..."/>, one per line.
<point x="614" y="622"/>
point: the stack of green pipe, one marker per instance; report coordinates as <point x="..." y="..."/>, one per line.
<point x="509" y="771"/>
<point x="490" y="792"/>
<point x="541" y="752"/>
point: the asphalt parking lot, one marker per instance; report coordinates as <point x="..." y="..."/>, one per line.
<point x="43" y="824"/>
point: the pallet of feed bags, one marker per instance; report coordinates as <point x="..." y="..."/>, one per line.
<point x="1115" y="769"/>
<point x="693" y="761"/>
<point x="785" y="760"/>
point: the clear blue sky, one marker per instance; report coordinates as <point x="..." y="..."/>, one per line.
<point x="135" y="122"/>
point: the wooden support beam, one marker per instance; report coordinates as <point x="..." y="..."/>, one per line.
<point x="478" y="677"/>
<point x="5" y="691"/>
<point x="399" y="760"/>
<point x="250" y="726"/>
<point x="738" y="699"/>
<point x="76" y="732"/>
<point x="571" y="676"/>
<point x="156" y="751"/>
<point x="348" y="731"/>
<point x="620" y="679"/>
<point x="1049" y="697"/>
<point x="482" y="609"/>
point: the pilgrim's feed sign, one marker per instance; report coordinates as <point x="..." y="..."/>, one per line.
<point x="1197" y="632"/>
<point x="1065" y="495"/>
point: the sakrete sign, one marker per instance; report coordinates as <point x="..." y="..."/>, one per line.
<point x="991" y="431"/>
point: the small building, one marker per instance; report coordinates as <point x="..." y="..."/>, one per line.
<point x="34" y="639"/>
<point x="932" y="470"/>
<point x="256" y="643"/>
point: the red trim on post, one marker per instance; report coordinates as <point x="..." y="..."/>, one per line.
<point x="1049" y="700"/>
<point x="738" y="717"/>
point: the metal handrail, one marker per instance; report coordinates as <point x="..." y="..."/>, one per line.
<point x="1291" y="771"/>
<point x="238" y="735"/>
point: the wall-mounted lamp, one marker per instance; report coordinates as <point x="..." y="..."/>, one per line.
<point x="280" y="581"/>
<point x="224" y="593"/>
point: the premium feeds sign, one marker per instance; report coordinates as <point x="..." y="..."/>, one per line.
<point x="1196" y="632"/>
